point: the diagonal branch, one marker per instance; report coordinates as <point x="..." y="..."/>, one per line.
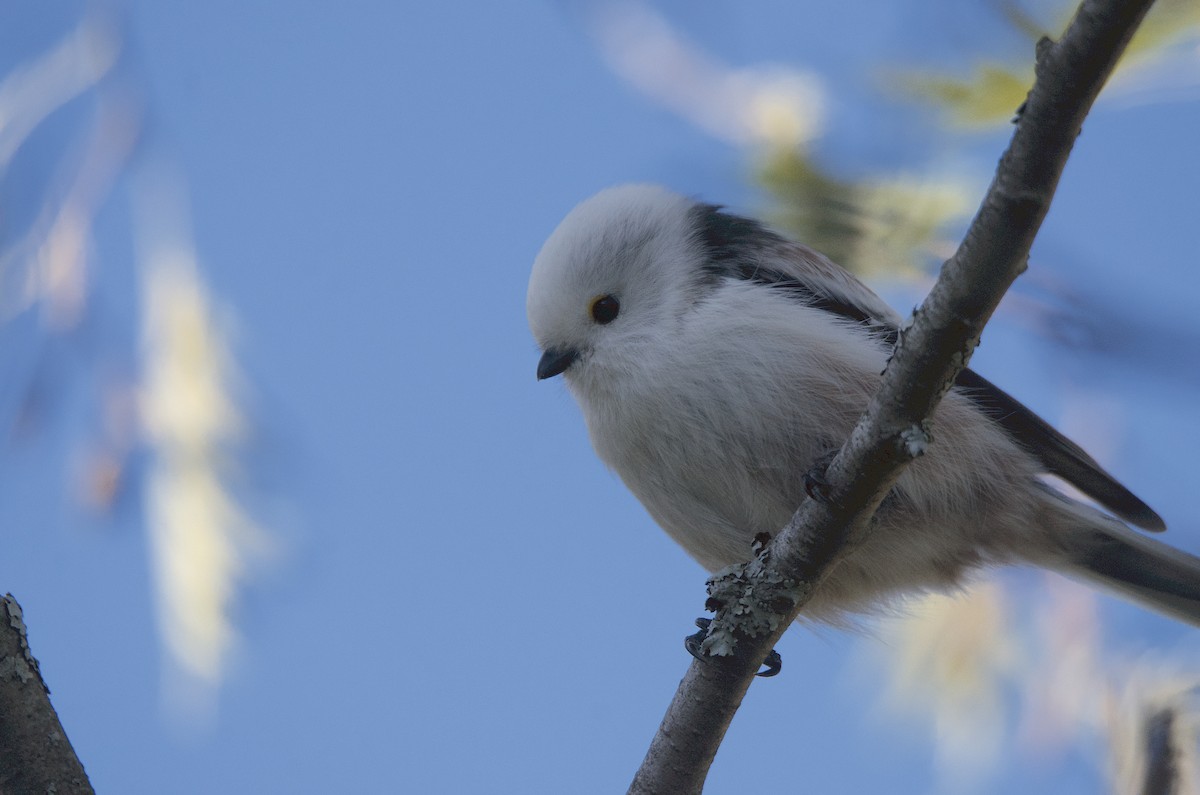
<point x="759" y="600"/>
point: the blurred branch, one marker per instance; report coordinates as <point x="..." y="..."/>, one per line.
<point x="30" y="94"/>
<point x="35" y="754"/>
<point x="1162" y="776"/>
<point x="54" y="246"/>
<point x="756" y="602"/>
<point x="1154" y="748"/>
<point x="774" y="106"/>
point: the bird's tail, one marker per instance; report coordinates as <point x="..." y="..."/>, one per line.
<point x="1104" y="551"/>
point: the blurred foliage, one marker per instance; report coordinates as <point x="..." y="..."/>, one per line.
<point x="902" y="226"/>
<point x="71" y="125"/>
<point x="870" y="226"/>
<point x="200" y="537"/>
<point x="990" y="96"/>
<point x="992" y="668"/>
<point x="987" y="98"/>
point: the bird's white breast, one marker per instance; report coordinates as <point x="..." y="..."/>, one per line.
<point x="717" y="459"/>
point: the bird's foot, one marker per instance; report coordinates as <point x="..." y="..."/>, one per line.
<point x="772" y="665"/>
<point x="815" y="484"/>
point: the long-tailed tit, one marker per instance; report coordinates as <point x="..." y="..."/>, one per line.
<point x="715" y="362"/>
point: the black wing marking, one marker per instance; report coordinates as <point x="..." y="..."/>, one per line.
<point x="741" y="248"/>
<point x="1058" y="454"/>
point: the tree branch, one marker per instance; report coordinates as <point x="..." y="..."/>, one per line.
<point x="759" y="600"/>
<point x="35" y="754"/>
<point x="1162" y="757"/>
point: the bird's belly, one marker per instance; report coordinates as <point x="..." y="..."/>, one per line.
<point x="713" y="492"/>
<point x="709" y="489"/>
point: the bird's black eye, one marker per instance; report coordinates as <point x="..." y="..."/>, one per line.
<point x="605" y="309"/>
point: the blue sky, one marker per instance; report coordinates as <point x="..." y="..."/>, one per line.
<point x="462" y="598"/>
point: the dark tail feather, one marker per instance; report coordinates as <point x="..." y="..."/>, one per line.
<point x="1159" y="577"/>
<point x="1106" y="552"/>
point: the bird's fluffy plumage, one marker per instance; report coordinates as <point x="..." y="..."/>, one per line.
<point x="738" y="358"/>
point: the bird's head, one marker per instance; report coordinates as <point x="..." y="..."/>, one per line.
<point x="618" y="270"/>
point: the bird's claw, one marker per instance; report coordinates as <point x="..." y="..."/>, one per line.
<point x="692" y="642"/>
<point x="815" y="484"/>
<point x="1019" y="112"/>
<point x="773" y="663"/>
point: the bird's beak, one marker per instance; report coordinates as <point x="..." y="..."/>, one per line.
<point x="554" y="362"/>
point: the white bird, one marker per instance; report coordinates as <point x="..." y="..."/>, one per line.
<point x="715" y="362"/>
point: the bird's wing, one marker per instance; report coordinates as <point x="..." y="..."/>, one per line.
<point x="1058" y="454"/>
<point x="743" y="249"/>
